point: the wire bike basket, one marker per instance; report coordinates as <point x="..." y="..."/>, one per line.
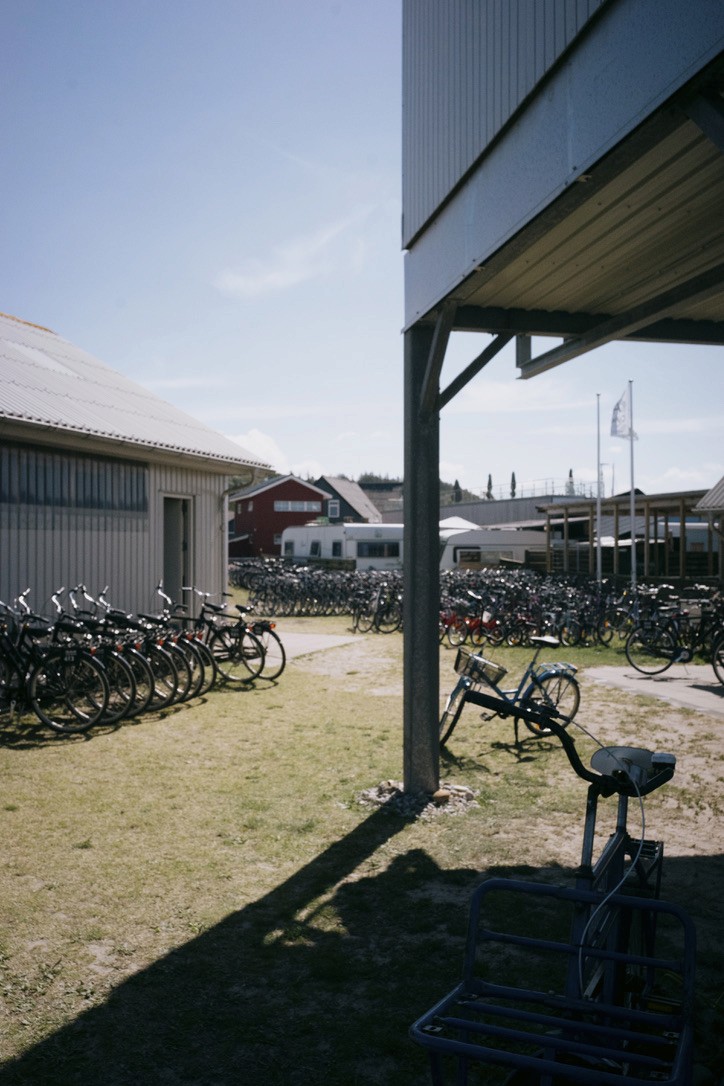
<point x="478" y="669"/>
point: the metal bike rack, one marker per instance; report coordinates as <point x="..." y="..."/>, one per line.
<point x="551" y="1033"/>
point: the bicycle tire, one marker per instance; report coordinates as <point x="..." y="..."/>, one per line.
<point x="196" y="668"/>
<point x="388" y="618"/>
<point x="183" y="668"/>
<point x="68" y="691"/>
<point x="496" y="634"/>
<point x="571" y="634"/>
<point x="165" y="676"/>
<point x="451" y="713"/>
<point x="210" y="673"/>
<point x="239" y="654"/>
<point x="717" y="658"/>
<point x="365" y="619"/>
<point x="556" y="689"/>
<point x="275" y="657"/>
<point x="143" y="676"/>
<point x="121" y="687"/>
<point x="650" y="651"/>
<point x="457" y="633"/>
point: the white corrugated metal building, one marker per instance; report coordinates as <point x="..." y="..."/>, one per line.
<point x="103" y="483"/>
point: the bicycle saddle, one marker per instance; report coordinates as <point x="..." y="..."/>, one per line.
<point x="635" y="763"/>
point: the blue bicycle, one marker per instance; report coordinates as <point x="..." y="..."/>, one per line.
<point x="553" y="685"/>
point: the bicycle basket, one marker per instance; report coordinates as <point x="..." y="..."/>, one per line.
<point x="478" y="668"/>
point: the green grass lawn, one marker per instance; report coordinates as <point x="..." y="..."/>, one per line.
<point x="200" y="897"/>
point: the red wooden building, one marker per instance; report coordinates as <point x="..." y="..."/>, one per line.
<point x="261" y="513"/>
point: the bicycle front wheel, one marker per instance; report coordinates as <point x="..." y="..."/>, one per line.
<point x="557" y="690"/>
<point x="717" y="659"/>
<point x="68" y="691"/>
<point x="650" y="651"/>
<point x="388" y="618"/>
<point x="239" y="654"/>
<point x="451" y="713"/>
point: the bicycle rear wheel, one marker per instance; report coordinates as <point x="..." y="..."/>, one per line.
<point x="165" y="676"/>
<point x="275" y="657"/>
<point x="143" y="677"/>
<point x="239" y="654"/>
<point x="68" y="691"/>
<point x="457" y="632"/>
<point x="557" y="690"/>
<point x="650" y="651"/>
<point x="210" y="672"/>
<point x="121" y="687"/>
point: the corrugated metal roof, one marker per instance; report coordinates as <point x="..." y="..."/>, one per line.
<point x="47" y="382"/>
<point x="713" y="499"/>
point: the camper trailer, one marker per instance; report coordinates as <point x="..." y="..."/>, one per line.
<point x="479" y="547"/>
<point x="379" y="546"/>
<point x="363" y="546"/>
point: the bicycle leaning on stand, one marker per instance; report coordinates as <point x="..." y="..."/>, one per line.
<point x="550" y="684"/>
<point x="603" y="991"/>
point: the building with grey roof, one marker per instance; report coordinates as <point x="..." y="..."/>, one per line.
<point x="348" y="500"/>
<point x="102" y="482"/>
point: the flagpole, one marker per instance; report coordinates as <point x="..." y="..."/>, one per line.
<point x="599" y="566"/>
<point x="633" y="496"/>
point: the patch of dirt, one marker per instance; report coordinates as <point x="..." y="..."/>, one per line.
<point x="390" y="797"/>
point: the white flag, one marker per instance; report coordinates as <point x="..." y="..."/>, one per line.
<point x="621" y="422"/>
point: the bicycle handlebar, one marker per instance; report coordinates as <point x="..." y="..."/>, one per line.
<point x="630" y="771"/>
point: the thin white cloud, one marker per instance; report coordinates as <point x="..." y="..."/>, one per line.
<point x="271" y="412"/>
<point x="508" y="397"/>
<point x="265" y="447"/>
<point x="679" y="426"/>
<point x="308" y="469"/>
<point x="297" y="261"/>
<point x="184" y="382"/>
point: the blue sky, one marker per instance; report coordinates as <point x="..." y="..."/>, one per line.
<point x="206" y="196"/>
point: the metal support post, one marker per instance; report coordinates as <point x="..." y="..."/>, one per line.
<point x="421" y="573"/>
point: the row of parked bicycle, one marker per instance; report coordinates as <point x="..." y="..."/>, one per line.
<point x="657" y="626"/>
<point x="91" y="663"/>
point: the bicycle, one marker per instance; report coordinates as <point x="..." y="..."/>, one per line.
<point x="275" y="656"/>
<point x="549" y="684"/>
<point x="653" y="647"/>
<point x="63" y="685"/>
<point x="590" y="998"/>
<point x="238" y="653"/>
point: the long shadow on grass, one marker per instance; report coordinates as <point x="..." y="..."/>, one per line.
<point x="298" y="987"/>
<point x="319" y="980"/>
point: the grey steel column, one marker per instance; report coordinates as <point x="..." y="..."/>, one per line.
<point x="421" y="576"/>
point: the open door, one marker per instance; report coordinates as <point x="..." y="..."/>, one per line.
<point x="176" y="549"/>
